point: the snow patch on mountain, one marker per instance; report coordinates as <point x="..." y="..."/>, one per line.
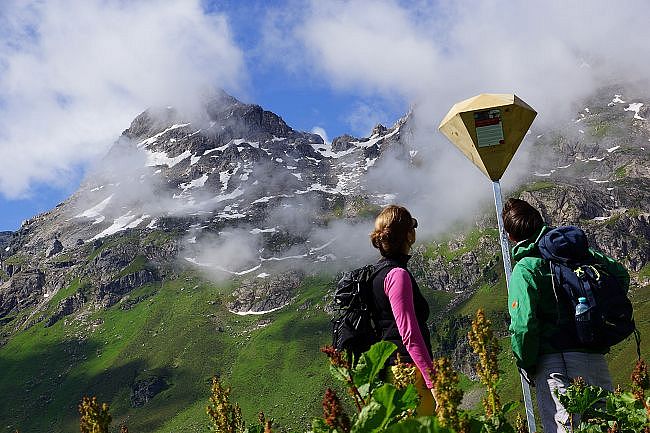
<point x="127" y="221"/>
<point x="155" y="138"/>
<point x="635" y="107"/>
<point x="196" y="262"/>
<point x="617" y="100"/>
<point x="257" y="313"/>
<point x="161" y="158"/>
<point x="96" y="211"/>
<point x="258" y="231"/>
<point x="196" y="183"/>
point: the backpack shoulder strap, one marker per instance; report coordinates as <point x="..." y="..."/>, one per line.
<point x="383" y="264"/>
<point x="554" y="282"/>
<point x="559" y="301"/>
<point x="564" y="277"/>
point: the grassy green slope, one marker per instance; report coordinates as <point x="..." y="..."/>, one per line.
<point x="182" y="332"/>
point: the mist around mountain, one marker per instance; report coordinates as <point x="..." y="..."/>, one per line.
<point x="209" y="245"/>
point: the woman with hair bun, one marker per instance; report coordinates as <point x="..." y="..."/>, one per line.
<point x="399" y="310"/>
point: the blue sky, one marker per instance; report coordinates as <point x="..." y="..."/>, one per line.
<point x="303" y="101"/>
<point x="74" y="73"/>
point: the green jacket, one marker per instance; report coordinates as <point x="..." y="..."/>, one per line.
<point x="532" y="305"/>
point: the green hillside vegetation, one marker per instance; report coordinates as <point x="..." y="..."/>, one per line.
<point x="179" y="332"/>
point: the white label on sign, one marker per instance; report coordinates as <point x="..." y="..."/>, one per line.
<point x="489" y="129"/>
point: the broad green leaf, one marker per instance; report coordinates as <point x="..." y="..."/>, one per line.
<point x="364" y="390"/>
<point x="386" y="405"/>
<point x="394" y="400"/>
<point x="627" y="398"/>
<point x="372" y="362"/>
<point x="579" y="400"/>
<point x="509" y="407"/>
<point x="369" y="419"/>
<point x="477" y="424"/>
<point x="340" y="373"/>
<point x="590" y="428"/>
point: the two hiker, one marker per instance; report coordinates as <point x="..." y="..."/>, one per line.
<point x="546" y="348"/>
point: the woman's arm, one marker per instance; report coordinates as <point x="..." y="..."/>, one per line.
<point x="398" y="288"/>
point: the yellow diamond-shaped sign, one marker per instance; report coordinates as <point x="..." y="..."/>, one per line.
<point x="488" y="129"/>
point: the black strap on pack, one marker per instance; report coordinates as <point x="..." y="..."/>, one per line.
<point x="637" y="338"/>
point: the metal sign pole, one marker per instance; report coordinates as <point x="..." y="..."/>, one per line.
<point x="488" y="128"/>
<point x="507" y="267"/>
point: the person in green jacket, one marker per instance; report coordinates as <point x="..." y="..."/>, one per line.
<point x="549" y="355"/>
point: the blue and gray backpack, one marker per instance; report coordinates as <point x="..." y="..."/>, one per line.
<point x="608" y="319"/>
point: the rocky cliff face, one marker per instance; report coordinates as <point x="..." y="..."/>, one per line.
<point x="4" y="238"/>
<point x="599" y="177"/>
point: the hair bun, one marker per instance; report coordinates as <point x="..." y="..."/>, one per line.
<point x="392" y="226"/>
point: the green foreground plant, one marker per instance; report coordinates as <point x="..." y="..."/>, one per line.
<point x="486" y="346"/>
<point x="95" y="417"/>
<point x="389" y="406"/>
<point x="601" y="411"/>
<point x="448" y="396"/>
<point x="225" y="417"/>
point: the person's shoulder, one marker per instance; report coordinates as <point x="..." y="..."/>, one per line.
<point x="600" y="256"/>
<point x="398" y="272"/>
<point x="530" y="263"/>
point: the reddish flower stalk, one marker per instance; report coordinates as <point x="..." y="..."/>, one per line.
<point x="338" y="359"/>
<point x="640" y="379"/>
<point x="333" y="412"/>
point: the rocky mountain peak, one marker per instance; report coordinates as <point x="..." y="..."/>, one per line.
<point x="230" y="167"/>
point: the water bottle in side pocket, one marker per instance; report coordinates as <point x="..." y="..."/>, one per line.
<point x="583" y="321"/>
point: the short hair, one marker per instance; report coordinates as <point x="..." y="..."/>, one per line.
<point x="392" y="227"/>
<point x="520" y="219"/>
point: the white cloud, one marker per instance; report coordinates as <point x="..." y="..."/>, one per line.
<point x="364" y="117"/>
<point x="320" y="131"/>
<point x="436" y="53"/>
<point x="75" y="73"/>
<point x="369" y="44"/>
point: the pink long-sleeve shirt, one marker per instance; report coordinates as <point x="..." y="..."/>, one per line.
<point x="398" y="288"/>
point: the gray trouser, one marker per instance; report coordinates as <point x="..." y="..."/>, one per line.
<point x="555" y="372"/>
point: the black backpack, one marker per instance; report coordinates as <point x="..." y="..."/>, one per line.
<point x="353" y="330"/>
<point x="608" y="319"/>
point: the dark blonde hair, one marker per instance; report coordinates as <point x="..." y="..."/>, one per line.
<point x="392" y="227"/>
